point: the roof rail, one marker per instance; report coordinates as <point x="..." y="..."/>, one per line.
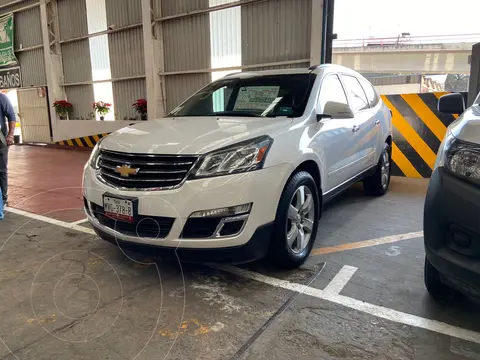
<point x="314" y="67"/>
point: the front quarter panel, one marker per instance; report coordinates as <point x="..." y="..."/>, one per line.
<point x="295" y="146"/>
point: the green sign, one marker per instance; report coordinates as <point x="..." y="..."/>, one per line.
<point x="7" y="54"/>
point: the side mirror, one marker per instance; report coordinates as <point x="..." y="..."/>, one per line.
<point x="336" y="110"/>
<point x="451" y="104"/>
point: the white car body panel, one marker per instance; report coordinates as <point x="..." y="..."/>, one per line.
<point x="190" y="135"/>
<point x="467" y="126"/>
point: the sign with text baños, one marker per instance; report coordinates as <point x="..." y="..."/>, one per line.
<point x="10" y="78"/>
<point x="7" y="54"/>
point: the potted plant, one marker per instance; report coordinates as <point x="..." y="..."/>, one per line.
<point x="102" y="108"/>
<point x="61" y="108"/>
<point x="140" y="107"/>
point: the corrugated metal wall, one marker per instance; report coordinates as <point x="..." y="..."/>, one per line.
<point x="275" y="31"/>
<point x="174" y="7"/>
<point x="130" y="42"/>
<point x="187" y="43"/>
<point x="72" y="18"/>
<point x="77" y="66"/>
<point x="81" y="97"/>
<point x="180" y="87"/>
<point x="186" y="47"/>
<point x="226" y="37"/>
<point x="127" y="56"/>
<point x="28" y="28"/>
<point x="32" y="65"/>
<point x="125" y="93"/>
<point x="76" y="61"/>
<point x="14" y="7"/>
<point x="270" y="31"/>
<point x="123" y="12"/>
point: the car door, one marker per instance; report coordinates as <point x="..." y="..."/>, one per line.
<point x="365" y="134"/>
<point x="378" y="117"/>
<point x="335" y="135"/>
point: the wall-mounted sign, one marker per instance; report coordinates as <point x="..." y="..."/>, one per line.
<point x="7" y="53"/>
<point x="41" y="92"/>
<point x="10" y="78"/>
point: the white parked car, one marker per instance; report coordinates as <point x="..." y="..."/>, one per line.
<point x="242" y="168"/>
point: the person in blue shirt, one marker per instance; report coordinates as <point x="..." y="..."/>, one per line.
<point x="6" y="139"/>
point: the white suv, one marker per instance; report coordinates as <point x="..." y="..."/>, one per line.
<point x="242" y="168"/>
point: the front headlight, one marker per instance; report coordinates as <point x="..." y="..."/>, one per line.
<point x="95" y="156"/>
<point x="242" y="157"/>
<point x="460" y="157"/>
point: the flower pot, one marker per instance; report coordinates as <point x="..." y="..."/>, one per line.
<point x="102" y="118"/>
<point x="63" y="117"/>
<point x="143" y="116"/>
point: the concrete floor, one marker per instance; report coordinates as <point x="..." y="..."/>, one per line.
<point x="65" y="294"/>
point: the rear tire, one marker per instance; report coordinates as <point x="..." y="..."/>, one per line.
<point x="433" y="282"/>
<point x="378" y="183"/>
<point x="296" y="222"/>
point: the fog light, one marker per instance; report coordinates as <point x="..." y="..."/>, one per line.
<point x="223" y="212"/>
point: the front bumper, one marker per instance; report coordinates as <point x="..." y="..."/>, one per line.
<point x="452" y="230"/>
<point x="256" y="248"/>
<point x="263" y="188"/>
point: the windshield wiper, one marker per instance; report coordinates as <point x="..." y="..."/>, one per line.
<point x="235" y="113"/>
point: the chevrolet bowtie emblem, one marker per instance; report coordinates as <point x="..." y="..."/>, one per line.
<point x="126" y="170"/>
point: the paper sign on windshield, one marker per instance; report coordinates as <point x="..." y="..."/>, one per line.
<point x="256" y="97"/>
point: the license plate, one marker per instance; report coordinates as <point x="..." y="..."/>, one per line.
<point x="118" y="209"/>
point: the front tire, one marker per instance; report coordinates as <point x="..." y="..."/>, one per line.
<point x="296" y="221"/>
<point x="434" y="284"/>
<point x="378" y="183"/>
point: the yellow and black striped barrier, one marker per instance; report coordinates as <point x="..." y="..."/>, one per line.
<point x="418" y="130"/>
<point x="83" y="142"/>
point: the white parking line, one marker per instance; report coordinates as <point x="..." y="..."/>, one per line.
<point x="79" y="222"/>
<point x="371" y="309"/>
<point x="340" y="280"/>
<point x="46" y="219"/>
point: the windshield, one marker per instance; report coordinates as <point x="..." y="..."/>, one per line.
<point x="259" y="96"/>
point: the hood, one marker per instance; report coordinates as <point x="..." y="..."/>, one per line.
<point x="190" y="135"/>
<point x="467" y="127"/>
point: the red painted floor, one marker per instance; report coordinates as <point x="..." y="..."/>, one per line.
<point x="47" y="181"/>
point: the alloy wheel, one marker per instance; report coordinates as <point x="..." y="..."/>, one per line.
<point x="300" y="220"/>
<point x="385" y="170"/>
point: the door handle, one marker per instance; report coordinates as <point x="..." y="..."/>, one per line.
<point x="355" y="128"/>
<point x="377" y="122"/>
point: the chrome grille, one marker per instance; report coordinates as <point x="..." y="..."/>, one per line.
<point x="154" y="171"/>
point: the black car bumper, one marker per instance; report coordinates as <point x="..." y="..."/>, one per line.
<point x="256" y="249"/>
<point x="452" y="230"/>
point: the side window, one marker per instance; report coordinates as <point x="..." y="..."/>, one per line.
<point x="371" y="93"/>
<point x="332" y="90"/>
<point x="357" y="95"/>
